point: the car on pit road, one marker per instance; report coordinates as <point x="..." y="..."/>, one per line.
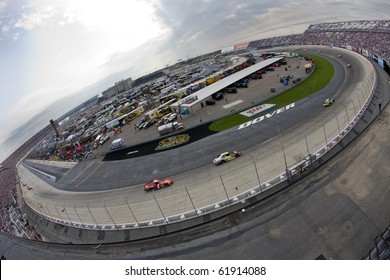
<point x="226" y="156"/>
<point x="158" y="184"/>
<point x="328" y="102"/>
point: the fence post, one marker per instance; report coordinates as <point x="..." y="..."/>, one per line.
<point x="360" y="102"/>
<point x="347" y="113"/>
<point x="159" y="207"/>
<point x="338" y="125"/>
<point x="257" y="173"/>
<point x="191" y="200"/>
<point x="132" y="213"/>
<point x="326" y="139"/>
<point x="223" y="185"/>
<point x="66" y="212"/>
<point x="307" y="146"/>
<point x="48" y="210"/>
<point x="284" y="153"/>
<point x="58" y="213"/>
<point x="78" y="215"/>
<point x="91" y="214"/>
<point x="108" y="213"/>
<point x="354" y="108"/>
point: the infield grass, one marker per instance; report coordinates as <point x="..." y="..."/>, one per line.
<point x="322" y="75"/>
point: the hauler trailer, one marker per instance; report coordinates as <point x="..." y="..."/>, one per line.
<point x="169" y="127"/>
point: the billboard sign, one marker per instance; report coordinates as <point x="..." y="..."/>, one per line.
<point x="241" y="46"/>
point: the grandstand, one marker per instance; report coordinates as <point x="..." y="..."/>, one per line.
<point x="9" y="178"/>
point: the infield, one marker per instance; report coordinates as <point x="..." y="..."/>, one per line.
<point x="320" y="78"/>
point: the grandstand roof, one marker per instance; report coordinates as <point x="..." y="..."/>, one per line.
<point x="227" y="81"/>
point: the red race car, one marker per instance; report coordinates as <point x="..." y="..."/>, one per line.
<point x="158" y="184"/>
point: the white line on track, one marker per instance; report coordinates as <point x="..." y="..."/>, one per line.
<point x="88" y="175"/>
<point x="75" y="178"/>
<point x="232" y="104"/>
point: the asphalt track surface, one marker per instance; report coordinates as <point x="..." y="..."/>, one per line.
<point x="335" y="212"/>
<point x="94" y="175"/>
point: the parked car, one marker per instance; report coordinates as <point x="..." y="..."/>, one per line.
<point x="117" y="143"/>
<point x="231" y="90"/>
<point x="217" y="96"/>
<point x="210" y="101"/>
<point x="171" y="117"/>
<point x="328" y="102"/>
<point x="142" y="125"/>
<point x="158" y="184"/>
<point x="103" y="139"/>
<point x="147" y="124"/>
<point x="226" y="156"/>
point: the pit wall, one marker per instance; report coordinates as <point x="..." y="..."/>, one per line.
<point x="62" y="231"/>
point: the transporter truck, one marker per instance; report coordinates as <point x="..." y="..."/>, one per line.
<point x="169" y="127"/>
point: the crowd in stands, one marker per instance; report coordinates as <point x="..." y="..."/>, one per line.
<point x="370" y="35"/>
<point x="362" y="25"/>
<point x="9" y="179"/>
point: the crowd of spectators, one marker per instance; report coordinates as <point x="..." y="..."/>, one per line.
<point x="9" y="178"/>
<point x="371" y="35"/>
<point x="362" y="25"/>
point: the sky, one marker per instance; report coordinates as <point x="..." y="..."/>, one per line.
<point x="54" y="54"/>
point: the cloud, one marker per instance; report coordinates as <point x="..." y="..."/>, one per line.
<point x="3" y="4"/>
<point x="29" y="21"/>
<point x="16" y="36"/>
<point x="5" y="28"/>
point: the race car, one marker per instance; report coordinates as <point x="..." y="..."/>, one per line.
<point x="328" y="102"/>
<point x="158" y="184"/>
<point x="225" y="157"/>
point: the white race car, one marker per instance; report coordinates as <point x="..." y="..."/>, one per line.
<point x="226" y="156"/>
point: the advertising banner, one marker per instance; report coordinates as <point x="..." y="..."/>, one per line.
<point x="257" y="110"/>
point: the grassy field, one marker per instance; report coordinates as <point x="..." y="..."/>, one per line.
<point x="321" y="76"/>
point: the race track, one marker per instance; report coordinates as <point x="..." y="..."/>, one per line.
<point x="112" y="183"/>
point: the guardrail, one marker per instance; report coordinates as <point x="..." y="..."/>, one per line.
<point x="230" y="194"/>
